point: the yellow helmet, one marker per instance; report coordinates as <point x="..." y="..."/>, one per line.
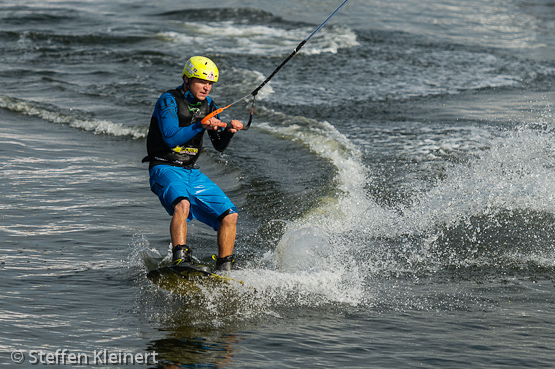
<point x="201" y="67"/>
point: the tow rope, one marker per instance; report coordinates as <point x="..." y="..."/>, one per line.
<point x="255" y="91"/>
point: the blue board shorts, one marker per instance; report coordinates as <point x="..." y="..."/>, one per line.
<point x="209" y="204"/>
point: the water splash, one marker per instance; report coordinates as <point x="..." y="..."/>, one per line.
<point x="505" y="188"/>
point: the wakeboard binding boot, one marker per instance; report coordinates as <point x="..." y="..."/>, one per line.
<point x="224" y="264"/>
<point x="182" y="255"/>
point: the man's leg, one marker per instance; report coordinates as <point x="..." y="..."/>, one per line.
<point x="226" y="235"/>
<point x="178" y="225"/>
<point x="178" y="232"/>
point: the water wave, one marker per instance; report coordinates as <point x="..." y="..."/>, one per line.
<point x="231" y="37"/>
<point x="71" y="118"/>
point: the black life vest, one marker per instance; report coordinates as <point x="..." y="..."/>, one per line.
<point x="187" y="153"/>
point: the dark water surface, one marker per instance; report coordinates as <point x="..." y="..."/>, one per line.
<point x="396" y="190"/>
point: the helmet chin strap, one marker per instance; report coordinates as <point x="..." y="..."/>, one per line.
<point x="188" y="95"/>
<point x="186" y="82"/>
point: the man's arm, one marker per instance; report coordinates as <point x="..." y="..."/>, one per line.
<point x="220" y="139"/>
<point x="168" y="122"/>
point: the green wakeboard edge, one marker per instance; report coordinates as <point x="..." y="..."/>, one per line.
<point x="184" y="277"/>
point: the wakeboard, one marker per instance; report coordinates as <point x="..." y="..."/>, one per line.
<point x="180" y="278"/>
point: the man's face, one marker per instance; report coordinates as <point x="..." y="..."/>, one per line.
<point x="200" y="88"/>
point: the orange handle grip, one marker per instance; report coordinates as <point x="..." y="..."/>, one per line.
<point x="213" y="114"/>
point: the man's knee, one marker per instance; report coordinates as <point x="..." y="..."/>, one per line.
<point x="182" y="207"/>
<point x="230" y="219"/>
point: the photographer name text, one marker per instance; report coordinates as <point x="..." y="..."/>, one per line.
<point x="97" y="357"/>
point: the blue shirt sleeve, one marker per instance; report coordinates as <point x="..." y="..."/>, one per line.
<point x="166" y="114"/>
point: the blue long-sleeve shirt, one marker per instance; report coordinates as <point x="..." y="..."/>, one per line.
<point x="165" y="133"/>
<point x="165" y="112"/>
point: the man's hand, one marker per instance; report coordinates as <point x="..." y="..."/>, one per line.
<point x="236" y="124"/>
<point x="213" y="124"/>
